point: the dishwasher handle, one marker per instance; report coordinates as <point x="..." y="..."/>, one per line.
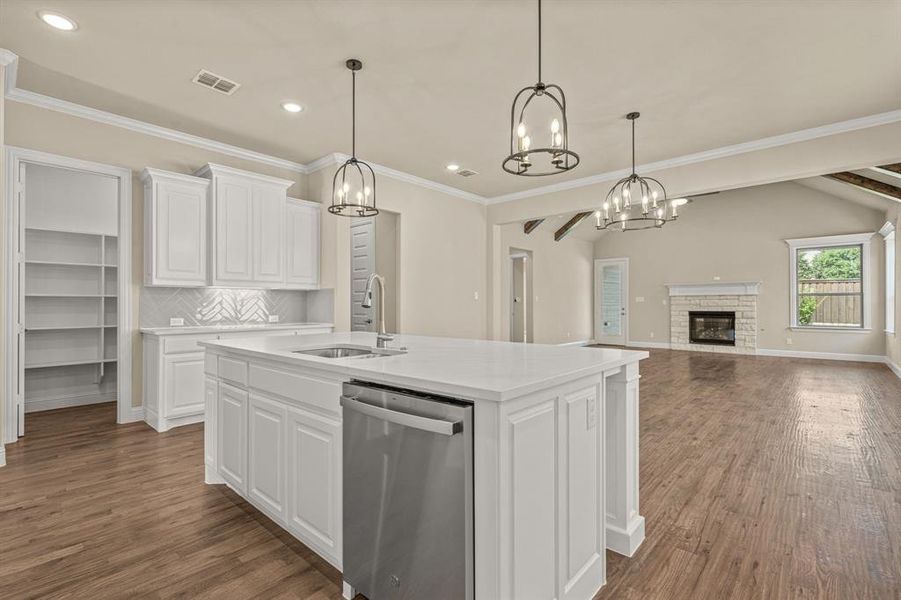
<point x="439" y="426"/>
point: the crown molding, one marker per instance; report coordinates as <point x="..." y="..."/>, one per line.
<point x="337" y="158"/>
<point x="723" y="152"/>
<point x="887" y="229"/>
<point x="7" y="57"/>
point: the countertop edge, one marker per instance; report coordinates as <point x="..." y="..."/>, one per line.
<point x="189" y="330"/>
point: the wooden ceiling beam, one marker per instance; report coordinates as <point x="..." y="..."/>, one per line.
<point x="577" y="218"/>
<point x="895" y="168"/>
<point x="530" y="226"/>
<point x="865" y="183"/>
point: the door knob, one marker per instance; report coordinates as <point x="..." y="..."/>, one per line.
<point x="369" y="321"/>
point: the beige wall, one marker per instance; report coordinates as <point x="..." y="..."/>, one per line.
<point x="441" y="251"/>
<point x="561" y="284"/>
<point x="57" y="133"/>
<point x="738" y="236"/>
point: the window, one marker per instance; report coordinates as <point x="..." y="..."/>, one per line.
<point x="830" y="281"/>
<point x="888" y="232"/>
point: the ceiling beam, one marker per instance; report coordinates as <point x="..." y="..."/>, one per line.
<point x="865" y="183"/>
<point x="895" y="168"/>
<point x="577" y="218"/>
<point x="530" y="226"/>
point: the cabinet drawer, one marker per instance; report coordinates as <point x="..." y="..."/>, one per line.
<point x="233" y="370"/>
<point x="185" y="343"/>
<point x="320" y="393"/>
<point x="210" y="364"/>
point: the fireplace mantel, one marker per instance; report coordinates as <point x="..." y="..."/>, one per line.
<point x="717" y="288"/>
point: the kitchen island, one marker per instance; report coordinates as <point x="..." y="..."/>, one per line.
<point x="555" y="446"/>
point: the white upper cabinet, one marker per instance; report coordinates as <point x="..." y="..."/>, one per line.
<point x="303" y="244"/>
<point x="247" y="227"/>
<point x="175" y="226"/>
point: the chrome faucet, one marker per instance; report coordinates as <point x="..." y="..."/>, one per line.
<point x="382" y="339"/>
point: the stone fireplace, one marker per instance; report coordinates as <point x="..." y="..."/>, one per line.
<point x="714" y="317"/>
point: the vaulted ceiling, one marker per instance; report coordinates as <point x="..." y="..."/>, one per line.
<point x="439" y="75"/>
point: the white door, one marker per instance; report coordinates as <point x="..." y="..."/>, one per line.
<point x="179" y="242"/>
<point x="234" y="232"/>
<point x="314" y="481"/>
<point x="265" y="462"/>
<point x="362" y="265"/>
<point x="611" y="293"/>
<point x="184" y="384"/>
<point x="303" y="244"/>
<point x="231" y="415"/>
<point x="268" y="233"/>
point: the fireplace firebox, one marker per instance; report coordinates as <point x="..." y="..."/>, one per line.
<point x="707" y="327"/>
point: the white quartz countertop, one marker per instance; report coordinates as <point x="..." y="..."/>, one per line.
<point x="468" y="369"/>
<point x="225" y="328"/>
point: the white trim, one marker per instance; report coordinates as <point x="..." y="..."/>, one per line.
<point x="871" y="358"/>
<point x="7" y="57"/>
<point x="641" y="344"/>
<point x="337" y="158"/>
<point x="775" y="141"/>
<point x="2" y="455"/>
<point x="896" y="369"/>
<point x="209" y="170"/>
<point x="850" y="239"/>
<point x="136" y="414"/>
<point x="736" y="288"/>
<point x="150" y="172"/>
<point x="829" y="328"/>
<point x="595" y="308"/>
<point x="125" y="326"/>
<point x="887" y="229"/>
<point x="579" y="343"/>
<point x="42" y="404"/>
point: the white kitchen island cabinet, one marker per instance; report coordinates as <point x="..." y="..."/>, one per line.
<point x="555" y="447"/>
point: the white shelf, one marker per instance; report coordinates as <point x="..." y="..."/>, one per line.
<point x="54" y="263"/>
<point x="70" y="295"/>
<point x="68" y="327"/>
<point x="69" y="363"/>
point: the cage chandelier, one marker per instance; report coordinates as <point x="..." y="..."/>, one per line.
<point x="353" y="187"/>
<point x="636" y="202"/>
<point x="534" y="153"/>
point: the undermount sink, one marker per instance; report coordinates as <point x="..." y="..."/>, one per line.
<point x="347" y="352"/>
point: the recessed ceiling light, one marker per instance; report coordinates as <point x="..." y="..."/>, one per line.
<point x="452" y="167"/>
<point x="292" y="107"/>
<point x="57" y="21"/>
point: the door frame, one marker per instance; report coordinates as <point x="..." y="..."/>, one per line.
<point x="598" y="264"/>
<point x="15" y="158"/>
<point x="517" y="254"/>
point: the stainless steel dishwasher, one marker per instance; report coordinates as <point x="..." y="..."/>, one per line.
<point x="408" y="503"/>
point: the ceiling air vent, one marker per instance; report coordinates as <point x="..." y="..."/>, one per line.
<point x="215" y="82"/>
<point x="467" y="172"/>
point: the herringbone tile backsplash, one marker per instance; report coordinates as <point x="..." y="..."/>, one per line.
<point x="218" y="306"/>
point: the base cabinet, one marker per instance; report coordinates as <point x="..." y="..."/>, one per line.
<point x="231" y="427"/>
<point x="266" y="458"/>
<point x="314" y="480"/>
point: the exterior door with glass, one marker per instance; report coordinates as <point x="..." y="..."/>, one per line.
<point x="611" y="301"/>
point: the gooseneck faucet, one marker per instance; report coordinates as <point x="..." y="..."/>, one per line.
<point x="382" y="339"/>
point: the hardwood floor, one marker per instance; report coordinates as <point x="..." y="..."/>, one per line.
<point x="760" y="478"/>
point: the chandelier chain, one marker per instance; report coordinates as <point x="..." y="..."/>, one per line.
<point x="539" y="41"/>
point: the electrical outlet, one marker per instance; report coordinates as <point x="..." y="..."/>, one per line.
<point x="591" y="416"/>
<point x="273" y="318"/>
<point x="176" y="322"/>
<point x="788" y="341"/>
<point x="652" y="335"/>
<point x="639" y="298"/>
<point x="716" y="277"/>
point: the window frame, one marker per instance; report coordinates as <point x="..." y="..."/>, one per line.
<point x="888" y="236"/>
<point x="832" y="241"/>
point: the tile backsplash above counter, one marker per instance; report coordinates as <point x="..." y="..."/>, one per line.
<point x="232" y="306"/>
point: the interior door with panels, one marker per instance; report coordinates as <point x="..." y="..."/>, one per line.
<point x="362" y="265"/>
<point x="234" y="231"/>
<point x="268" y="233"/>
<point x="266" y="468"/>
<point x="232" y="439"/>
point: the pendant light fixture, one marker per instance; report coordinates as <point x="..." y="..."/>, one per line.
<point x="535" y="153"/>
<point x="353" y="187"/>
<point x="636" y="202"/>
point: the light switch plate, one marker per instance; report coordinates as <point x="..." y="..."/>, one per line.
<point x="639" y="298"/>
<point x="176" y="322"/>
<point x="273" y="318"/>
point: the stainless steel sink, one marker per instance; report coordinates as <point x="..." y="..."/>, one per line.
<point x="338" y="352"/>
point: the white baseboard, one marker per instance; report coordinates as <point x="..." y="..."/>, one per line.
<point x="579" y="343"/>
<point x="41" y="404"/>
<point x="896" y="369"/>
<point x="2" y="455"/>
<point x="640" y="344"/>
<point x="875" y="358"/>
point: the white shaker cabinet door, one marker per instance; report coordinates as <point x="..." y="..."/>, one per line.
<point x="234" y="231"/>
<point x="184" y="379"/>
<point x="303" y="244"/>
<point x="268" y="234"/>
<point x="314" y="481"/>
<point x="266" y="458"/>
<point x="232" y="439"/>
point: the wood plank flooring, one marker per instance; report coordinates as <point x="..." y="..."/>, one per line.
<point x="760" y="478"/>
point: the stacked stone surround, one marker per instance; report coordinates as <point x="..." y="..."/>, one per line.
<point x="745" y="307"/>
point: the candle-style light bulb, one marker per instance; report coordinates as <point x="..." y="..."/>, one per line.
<point x="623" y="220"/>
<point x="521" y="130"/>
<point x="555" y="132"/>
<point x="555" y="126"/>
<point x="526" y="143"/>
<point x="346" y="187"/>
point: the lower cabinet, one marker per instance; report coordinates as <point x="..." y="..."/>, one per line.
<point x="184" y="378"/>
<point x="314" y="481"/>
<point x="231" y="414"/>
<point x="266" y="459"/>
